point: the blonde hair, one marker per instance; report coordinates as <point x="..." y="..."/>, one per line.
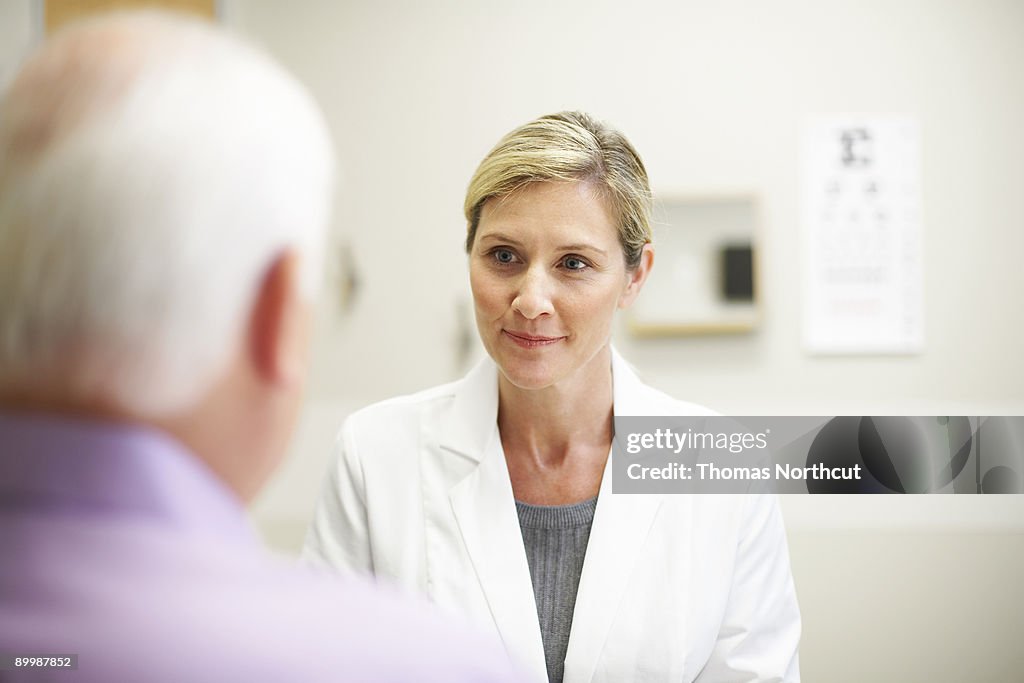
<point x="568" y="146"/>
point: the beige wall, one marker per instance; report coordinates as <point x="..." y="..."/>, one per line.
<point x="713" y="95"/>
<point x="18" y="29"/>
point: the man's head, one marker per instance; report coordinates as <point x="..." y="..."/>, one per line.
<point x="164" y="196"/>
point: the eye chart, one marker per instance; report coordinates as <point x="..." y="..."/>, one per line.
<point x="862" y="238"/>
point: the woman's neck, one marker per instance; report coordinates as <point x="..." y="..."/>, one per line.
<point x="548" y="425"/>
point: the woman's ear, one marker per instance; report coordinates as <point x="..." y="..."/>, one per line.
<point x="636" y="277"/>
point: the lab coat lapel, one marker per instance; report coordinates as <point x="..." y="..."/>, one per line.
<point x="621" y="525"/>
<point x="485" y="511"/>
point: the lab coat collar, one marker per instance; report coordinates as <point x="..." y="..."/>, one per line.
<point x="474" y="413"/>
<point x="485" y="511"/>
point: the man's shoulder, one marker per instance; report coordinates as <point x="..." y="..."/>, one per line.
<point x="320" y="626"/>
<point x="359" y="630"/>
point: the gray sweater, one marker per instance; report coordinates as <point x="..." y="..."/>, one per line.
<point x="555" y="538"/>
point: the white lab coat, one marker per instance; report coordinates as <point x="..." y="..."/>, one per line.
<point x="674" y="587"/>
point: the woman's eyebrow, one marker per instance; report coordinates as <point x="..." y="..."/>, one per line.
<point x="506" y="239"/>
<point x="582" y="247"/>
<point x="500" y="237"/>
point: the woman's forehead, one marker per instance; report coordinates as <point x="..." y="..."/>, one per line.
<point x="559" y="211"/>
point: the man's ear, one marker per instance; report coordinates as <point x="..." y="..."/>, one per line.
<point x="637" y="276"/>
<point x="277" y="325"/>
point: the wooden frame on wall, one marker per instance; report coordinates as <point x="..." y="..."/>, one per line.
<point x="706" y="275"/>
<point x="53" y="14"/>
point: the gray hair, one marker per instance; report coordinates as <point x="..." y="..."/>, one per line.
<point x="151" y="170"/>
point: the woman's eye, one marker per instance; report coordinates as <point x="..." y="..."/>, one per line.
<point x="504" y="256"/>
<point x="573" y="263"/>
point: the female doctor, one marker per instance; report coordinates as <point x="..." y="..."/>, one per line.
<point x="492" y="495"/>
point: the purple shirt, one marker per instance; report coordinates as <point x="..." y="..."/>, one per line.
<point x="118" y="545"/>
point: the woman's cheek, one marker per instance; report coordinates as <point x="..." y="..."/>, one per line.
<point x="488" y="295"/>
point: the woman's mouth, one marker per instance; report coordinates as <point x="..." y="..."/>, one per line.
<point x="531" y="341"/>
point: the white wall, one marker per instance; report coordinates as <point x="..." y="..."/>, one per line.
<point x="17" y="33"/>
<point x="712" y="94"/>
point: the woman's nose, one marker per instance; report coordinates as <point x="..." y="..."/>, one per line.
<point x="533" y="298"/>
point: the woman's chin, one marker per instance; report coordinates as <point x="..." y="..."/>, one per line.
<point x="528" y="376"/>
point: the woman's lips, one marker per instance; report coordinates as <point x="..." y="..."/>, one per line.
<point x="531" y="341"/>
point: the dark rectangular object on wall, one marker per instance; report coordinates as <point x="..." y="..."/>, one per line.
<point x="738" y="273"/>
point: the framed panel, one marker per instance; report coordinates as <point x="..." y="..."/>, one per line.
<point x="705" y="277"/>
<point x="56" y="13"/>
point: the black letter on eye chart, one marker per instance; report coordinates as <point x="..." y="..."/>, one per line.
<point x="856" y="144"/>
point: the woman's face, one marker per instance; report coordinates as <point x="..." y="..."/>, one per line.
<point x="548" y="272"/>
